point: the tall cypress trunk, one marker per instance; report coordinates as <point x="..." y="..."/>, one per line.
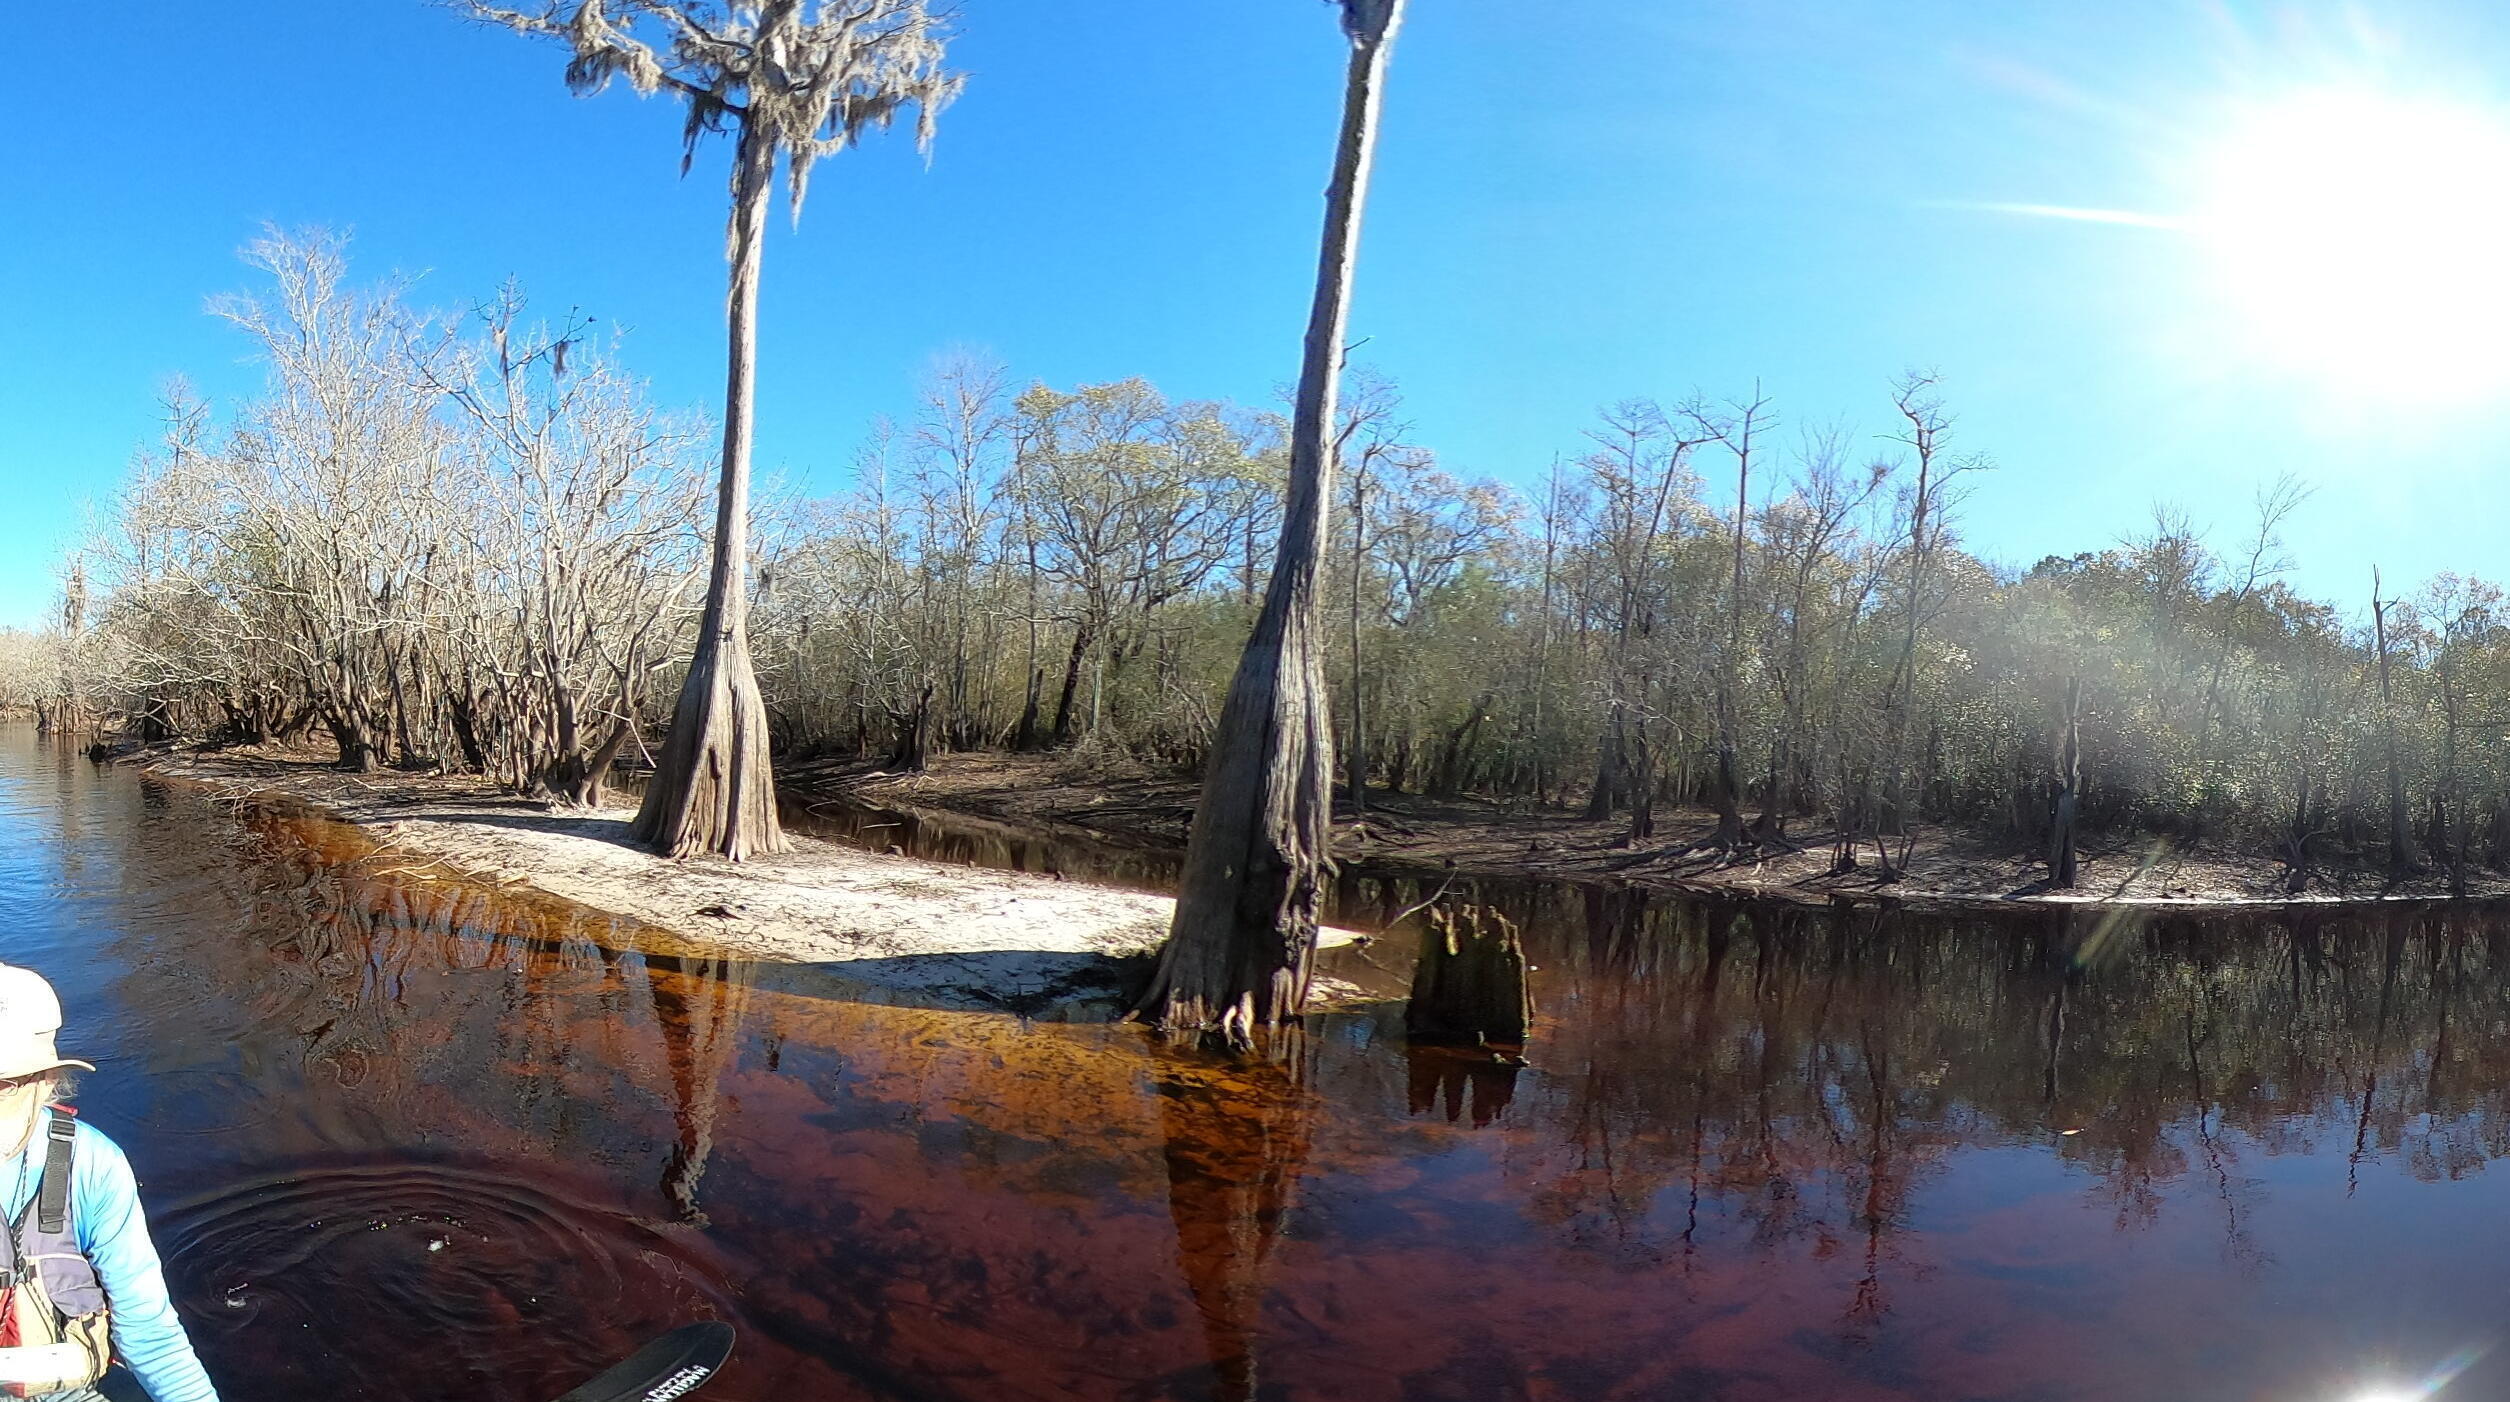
<point x="1083" y="636"/>
<point x="713" y="789"/>
<point x="1358" y="756"/>
<point x="1243" y="941"/>
<point x="1455" y="756"/>
<point x="1614" y="781"/>
<point x="2402" y="859"/>
<point x="1899" y="695"/>
<point x="2448" y="834"/>
<point x="2062" y="862"/>
<point x="1729" y="795"/>
<point x="1025" y="736"/>
<point x="1640" y="770"/>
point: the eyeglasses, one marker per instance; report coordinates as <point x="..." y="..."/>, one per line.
<point x="10" y="1084"/>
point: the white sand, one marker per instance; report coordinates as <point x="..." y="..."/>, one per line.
<point x="891" y="928"/>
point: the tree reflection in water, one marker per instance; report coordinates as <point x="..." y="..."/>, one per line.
<point x="699" y="1015"/>
<point x="1461" y="1081"/>
<point x="1752" y="1152"/>
<point x="1236" y="1141"/>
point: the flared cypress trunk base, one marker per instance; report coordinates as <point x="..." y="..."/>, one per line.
<point x="1241" y="946"/>
<point x="713" y="790"/>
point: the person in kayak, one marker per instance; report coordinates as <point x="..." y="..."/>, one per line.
<point x="78" y="1265"/>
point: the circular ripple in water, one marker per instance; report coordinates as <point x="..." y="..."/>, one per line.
<point x="423" y="1280"/>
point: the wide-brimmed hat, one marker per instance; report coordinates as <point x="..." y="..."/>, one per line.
<point x="30" y="1013"/>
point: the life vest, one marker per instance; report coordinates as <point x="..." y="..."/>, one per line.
<point x="55" y="1328"/>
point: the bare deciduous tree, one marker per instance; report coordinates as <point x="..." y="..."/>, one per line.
<point x="462" y="544"/>
<point x="1927" y="427"/>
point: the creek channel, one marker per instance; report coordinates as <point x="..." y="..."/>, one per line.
<point x="404" y="1137"/>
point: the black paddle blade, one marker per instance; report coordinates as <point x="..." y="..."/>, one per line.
<point x="670" y="1367"/>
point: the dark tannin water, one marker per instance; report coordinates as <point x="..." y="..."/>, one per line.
<point x="403" y="1138"/>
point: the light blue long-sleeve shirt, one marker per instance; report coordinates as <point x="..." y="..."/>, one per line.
<point x="113" y="1232"/>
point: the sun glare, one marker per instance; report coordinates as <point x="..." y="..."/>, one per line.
<point x="2364" y="241"/>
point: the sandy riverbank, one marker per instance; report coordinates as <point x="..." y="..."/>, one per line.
<point x="1108" y="799"/>
<point x="894" y="928"/>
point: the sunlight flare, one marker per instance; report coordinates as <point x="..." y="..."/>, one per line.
<point x="2429" y="1386"/>
<point x="2354" y="241"/>
<point x="2359" y="240"/>
<point x="2134" y="219"/>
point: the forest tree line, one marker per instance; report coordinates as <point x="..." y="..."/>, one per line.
<point x="473" y="542"/>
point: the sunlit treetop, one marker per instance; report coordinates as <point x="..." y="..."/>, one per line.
<point x="807" y="76"/>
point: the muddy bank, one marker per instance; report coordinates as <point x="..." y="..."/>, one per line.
<point x="890" y="928"/>
<point x="1117" y="804"/>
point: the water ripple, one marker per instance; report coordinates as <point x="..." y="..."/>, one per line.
<point x="360" y="1261"/>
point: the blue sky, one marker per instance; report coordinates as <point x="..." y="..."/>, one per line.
<point x="1575" y="204"/>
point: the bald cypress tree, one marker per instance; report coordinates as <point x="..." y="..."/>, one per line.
<point x="1243" y="939"/>
<point x="790" y="81"/>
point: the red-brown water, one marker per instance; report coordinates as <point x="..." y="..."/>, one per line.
<point x="406" y="1139"/>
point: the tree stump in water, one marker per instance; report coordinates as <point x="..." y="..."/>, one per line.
<point x="1469" y="985"/>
